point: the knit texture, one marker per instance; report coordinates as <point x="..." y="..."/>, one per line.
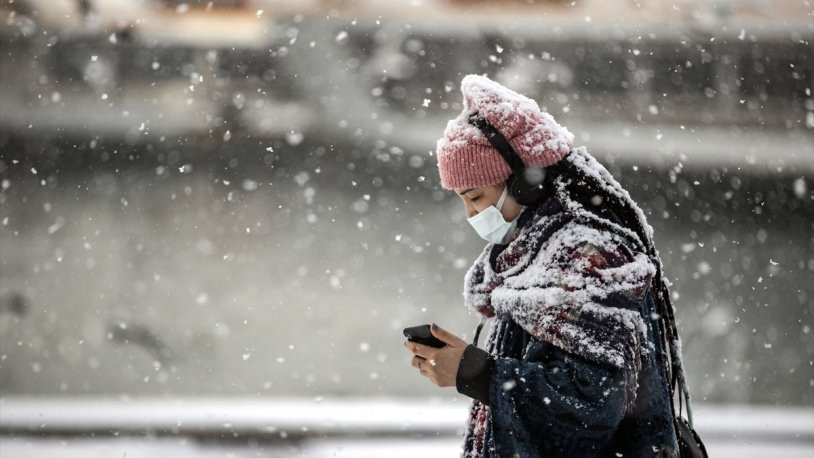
<point x="466" y="159"/>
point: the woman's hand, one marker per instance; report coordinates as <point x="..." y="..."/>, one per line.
<point x="440" y="365"/>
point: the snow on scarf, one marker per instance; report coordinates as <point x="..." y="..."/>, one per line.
<point x="570" y="278"/>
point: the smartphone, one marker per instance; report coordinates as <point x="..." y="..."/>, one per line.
<point x="422" y="334"/>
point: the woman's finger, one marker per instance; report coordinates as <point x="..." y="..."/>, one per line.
<point x="445" y="336"/>
<point x="421" y="364"/>
<point x="424" y="351"/>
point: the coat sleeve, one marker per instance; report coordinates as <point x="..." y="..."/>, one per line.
<point x="554" y="403"/>
<point x="548" y="403"/>
<point x="474" y="373"/>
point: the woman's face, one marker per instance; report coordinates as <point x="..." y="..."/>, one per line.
<point x="478" y="199"/>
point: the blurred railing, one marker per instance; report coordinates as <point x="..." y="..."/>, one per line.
<point x="619" y="87"/>
<point x="749" y="429"/>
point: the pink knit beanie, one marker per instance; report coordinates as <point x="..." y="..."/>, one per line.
<point x="466" y="159"/>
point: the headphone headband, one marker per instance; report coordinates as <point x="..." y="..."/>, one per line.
<point x="499" y="142"/>
<point x="522" y="191"/>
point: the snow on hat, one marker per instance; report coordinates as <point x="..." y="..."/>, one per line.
<point x="466" y="159"/>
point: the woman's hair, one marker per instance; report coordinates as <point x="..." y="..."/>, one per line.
<point x="584" y="187"/>
<point x="595" y="197"/>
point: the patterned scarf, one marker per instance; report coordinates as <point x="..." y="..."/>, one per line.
<point x="569" y="278"/>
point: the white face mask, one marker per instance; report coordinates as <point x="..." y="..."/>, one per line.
<point x="491" y="226"/>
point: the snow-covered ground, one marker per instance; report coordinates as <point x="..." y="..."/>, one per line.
<point x="241" y="427"/>
<point x="13" y="447"/>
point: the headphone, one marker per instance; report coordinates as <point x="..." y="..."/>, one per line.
<point x="525" y="184"/>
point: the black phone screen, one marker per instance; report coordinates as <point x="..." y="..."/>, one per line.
<point x="422" y="334"/>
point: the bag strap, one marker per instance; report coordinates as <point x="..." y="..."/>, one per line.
<point x="477" y="331"/>
<point x="673" y="342"/>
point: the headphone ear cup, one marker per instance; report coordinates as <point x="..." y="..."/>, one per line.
<point x="523" y="192"/>
<point x="510" y="185"/>
<point x="518" y="189"/>
<point x="515" y="186"/>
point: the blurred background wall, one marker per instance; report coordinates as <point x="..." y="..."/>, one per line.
<point x="239" y="197"/>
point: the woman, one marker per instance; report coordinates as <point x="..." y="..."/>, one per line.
<point x="582" y="349"/>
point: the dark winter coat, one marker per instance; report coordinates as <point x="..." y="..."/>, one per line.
<point x="573" y="364"/>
